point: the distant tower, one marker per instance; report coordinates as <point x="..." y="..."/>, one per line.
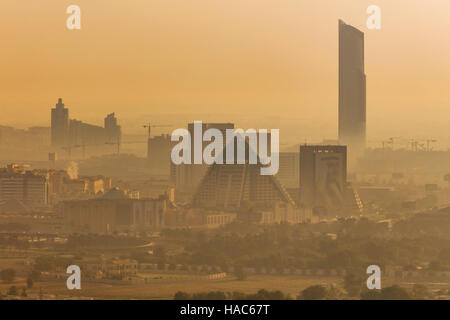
<point x="60" y="125"/>
<point x="323" y="175"/>
<point x="112" y="129"/>
<point x="158" y="153"/>
<point x="352" y="90"/>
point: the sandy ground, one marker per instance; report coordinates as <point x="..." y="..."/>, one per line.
<point x="167" y="288"/>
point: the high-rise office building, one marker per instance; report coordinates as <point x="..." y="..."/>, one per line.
<point x="352" y="90"/>
<point x="60" y="125"/>
<point x="323" y="181"/>
<point x="85" y="134"/>
<point x="113" y="131"/>
<point x="323" y="175"/>
<point x="71" y="133"/>
<point x="222" y="127"/>
<point x="158" y="153"/>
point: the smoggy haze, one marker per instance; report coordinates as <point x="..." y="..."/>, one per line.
<point x="259" y="63"/>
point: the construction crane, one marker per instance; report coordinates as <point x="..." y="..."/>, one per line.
<point x="75" y="146"/>
<point x="150" y="126"/>
<point x="392" y="140"/>
<point x="428" y="143"/>
<point x="417" y="146"/>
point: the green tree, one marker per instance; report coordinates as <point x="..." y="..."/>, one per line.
<point x="395" y="292"/>
<point x="353" y="284"/>
<point x="334" y="293"/>
<point x="180" y="295"/>
<point x="315" y="292"/>
<point x="267" y="295"/>
<point x="237" y="295"/>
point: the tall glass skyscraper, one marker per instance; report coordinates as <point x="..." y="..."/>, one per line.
<point x="352" y="90"/>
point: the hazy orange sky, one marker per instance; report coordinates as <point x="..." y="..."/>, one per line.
<point x="259" y="63"/>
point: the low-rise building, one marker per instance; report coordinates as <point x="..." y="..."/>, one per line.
<point x="114" y="212"/>
<point x="24" y="186"/>
<point x="279" y="213"/>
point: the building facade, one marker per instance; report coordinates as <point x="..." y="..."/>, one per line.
<point x="24" y="186"/>
<point x="288" y="173"/>
<point x="187" y="177"/>
<point x="113" y="131"/>
<point x="323" y="175"/>
<point x="229" y="186"/>
<point x="159" y="149"/>
<point x="106" y="216"/>
<point x="352" y="90"/>
<point x="71" y="133"/>
<point x="59" y="125"/>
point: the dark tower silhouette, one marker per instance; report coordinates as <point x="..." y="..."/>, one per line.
<point x="352" y="90"/>
<point x="113" y="131"/>
<point x="60" y="125"/>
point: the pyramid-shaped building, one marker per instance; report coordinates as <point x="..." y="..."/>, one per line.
<point x="228" y="186"/>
